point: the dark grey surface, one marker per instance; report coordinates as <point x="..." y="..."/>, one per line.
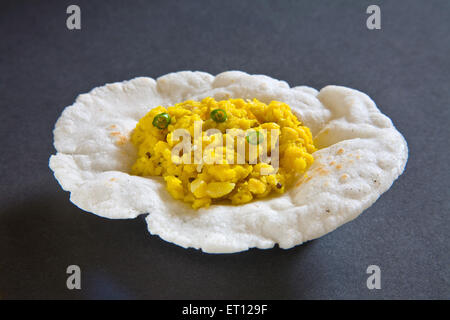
<point x="404" y="67"/>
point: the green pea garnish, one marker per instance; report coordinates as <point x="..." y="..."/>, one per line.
<point x="219" y="115"/>
<point x="254" y="137"/>
<point x="161" y="121"/>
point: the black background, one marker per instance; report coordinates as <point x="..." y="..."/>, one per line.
<point x="404" y="67"/>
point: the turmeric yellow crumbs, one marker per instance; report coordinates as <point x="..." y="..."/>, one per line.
<point x="256" y="148"/>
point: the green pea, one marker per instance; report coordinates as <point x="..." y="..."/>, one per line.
<point x="219" y="115"/>
<point x="161" y="121"/>
<point x="254" y="137"/>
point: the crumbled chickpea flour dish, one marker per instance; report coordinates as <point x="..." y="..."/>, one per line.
<point x="228" y="162"/>
<point x="204" y="180"/>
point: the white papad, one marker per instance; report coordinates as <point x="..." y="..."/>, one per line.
<point x="360" y="155"/>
